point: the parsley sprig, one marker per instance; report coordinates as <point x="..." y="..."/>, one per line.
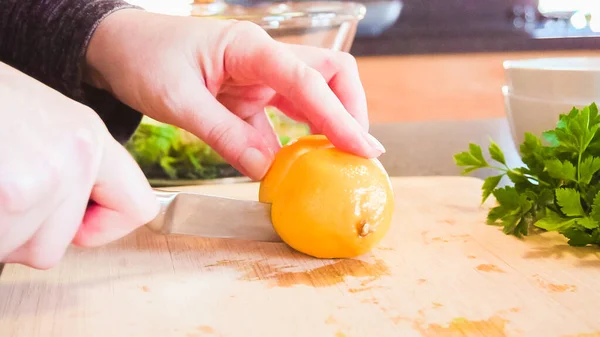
<point x="559" y="187"/>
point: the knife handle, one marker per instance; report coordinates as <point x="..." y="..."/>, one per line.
<point x="165" y="198"/>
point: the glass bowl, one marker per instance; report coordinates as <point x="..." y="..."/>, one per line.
<point x="170" y="156"/>
<point x="326" y="24"/>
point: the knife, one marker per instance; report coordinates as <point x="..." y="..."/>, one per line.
<point x="211" y="216"/>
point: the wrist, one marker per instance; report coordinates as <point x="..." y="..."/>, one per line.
<point x="102" y="48"/>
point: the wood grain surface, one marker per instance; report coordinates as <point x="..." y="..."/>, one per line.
<point x="439" y="272"/>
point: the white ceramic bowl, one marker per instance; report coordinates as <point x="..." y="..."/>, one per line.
<point x="526" y="114"/>
<point x="563" y="79"/>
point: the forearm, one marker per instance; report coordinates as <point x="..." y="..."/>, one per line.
<point x="48" y="40"/>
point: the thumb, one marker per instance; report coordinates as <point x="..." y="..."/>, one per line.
<point x="121" y="199"/>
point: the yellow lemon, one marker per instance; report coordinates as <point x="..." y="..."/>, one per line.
<point x="325" y="202"/>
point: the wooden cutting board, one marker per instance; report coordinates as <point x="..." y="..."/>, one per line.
<point x="440" y="272"/>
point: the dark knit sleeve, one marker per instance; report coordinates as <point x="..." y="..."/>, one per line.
<point x="48" y="39"/>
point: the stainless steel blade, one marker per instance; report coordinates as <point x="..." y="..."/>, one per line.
<point x="212" y="216"/>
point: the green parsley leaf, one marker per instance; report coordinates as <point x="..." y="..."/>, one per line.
<point x="476" y="151"/>
<point x="534" y="154"/>
<point x="507" y="196"/>
<point x="495" y="214"/>
<point x="531" y="144"/>
<point x="502" y="211"/>
<point x="511" y="211"/>
<point x="578" y="237"/>
<point x="587" y="222"/>
<point x="561" y="170"/>
<point x="595" y="213"/>
<point x="545" y="197"/>
<point x="588" y="193"/>
<point x="489" y="185"/>
<point x="578" y="131"/>
<point x="569" y="201"/>
<point x="589" y="166"/>
<point x="554" y="221"/>
<point x="496" y="153"/>
<point x="471" y="169"/>
<point x="473" y="157"/>
<point x="594" y="115"/>
<point x="511" y="221"/>
<point x="522" y="228"/>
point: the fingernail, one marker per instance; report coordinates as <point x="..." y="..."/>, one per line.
<point x="374" y="143"/>
<point x="254" y="162"/>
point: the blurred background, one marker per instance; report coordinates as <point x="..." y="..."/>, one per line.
<point x="432" y="71"/>
<point x="428" y="26"/>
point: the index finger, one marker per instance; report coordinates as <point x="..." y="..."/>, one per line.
<point x="122" y="199"/>
<point x="304" y="86"/>
<point x="341" y="72"/>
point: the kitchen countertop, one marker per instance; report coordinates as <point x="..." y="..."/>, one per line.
<point x="440" y="271"/>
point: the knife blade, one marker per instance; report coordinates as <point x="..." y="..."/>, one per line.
<point x="212" y="216"/>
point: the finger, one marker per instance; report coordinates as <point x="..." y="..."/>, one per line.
<point x="240" y="144"/>
<point x="122" y="199"/>
<point x="60" y="212"/>
<point x="19" y="216"/>
<point x="290" y="77"/>
<point x="46" y="248"/>
<point x="22" y="183"/>
<point x="348" y="88"/>
<point x="340" y="70"/>
<point x="253" y="112"/>
<point x="291" y="111"/>
<point x="260" y="121"/>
